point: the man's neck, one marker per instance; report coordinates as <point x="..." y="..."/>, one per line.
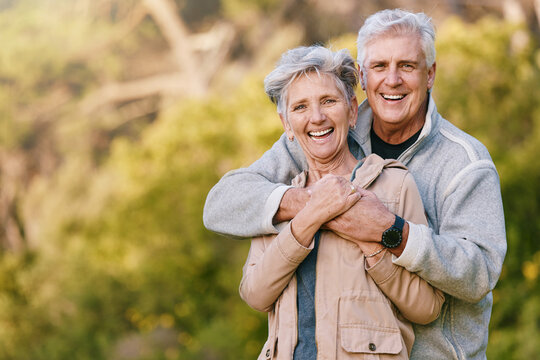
<point x="394" y="134"/>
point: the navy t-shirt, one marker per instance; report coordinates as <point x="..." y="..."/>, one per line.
<point x="390" y="151"/>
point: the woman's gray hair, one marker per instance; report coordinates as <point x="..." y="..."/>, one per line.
<point x="399" y="22"/>
<point x="304" y="60"/>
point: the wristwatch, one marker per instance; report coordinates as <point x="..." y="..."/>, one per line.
<point x="392" y="237"/>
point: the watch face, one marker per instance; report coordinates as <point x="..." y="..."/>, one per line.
<point x="391" y="238"/>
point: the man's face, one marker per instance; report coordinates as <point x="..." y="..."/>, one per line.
<point x="396" y="79"/>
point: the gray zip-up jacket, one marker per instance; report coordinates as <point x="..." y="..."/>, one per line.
<point x="461" y="251"/>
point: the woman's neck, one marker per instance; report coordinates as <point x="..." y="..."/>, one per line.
<point x="342" y="165"/>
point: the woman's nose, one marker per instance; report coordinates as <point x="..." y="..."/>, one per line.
<point x="317" y="115"/>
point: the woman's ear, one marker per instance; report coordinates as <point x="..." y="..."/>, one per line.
<point x="286" y="127"/>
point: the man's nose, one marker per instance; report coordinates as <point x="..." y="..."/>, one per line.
<point x="393" y="77"/>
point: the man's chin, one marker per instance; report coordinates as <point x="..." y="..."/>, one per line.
<point x="390" y="117"/>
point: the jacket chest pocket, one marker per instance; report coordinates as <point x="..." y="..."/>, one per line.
<point x="391" y="204"/>
<point x="367" y="327"/>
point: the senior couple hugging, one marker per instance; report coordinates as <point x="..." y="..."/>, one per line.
<point x="377" y="229"/>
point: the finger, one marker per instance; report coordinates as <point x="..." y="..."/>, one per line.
<point x="352" y="199"/>
<point x="364" y="192"/>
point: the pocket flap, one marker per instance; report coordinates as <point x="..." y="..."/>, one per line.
<point x="367" y="324"/>
<point x="365" y="339"/>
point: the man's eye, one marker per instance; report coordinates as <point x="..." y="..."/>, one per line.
<point x="329" y="101"/>
<point x="407" y="67"/>
<point x="299" y="107"/>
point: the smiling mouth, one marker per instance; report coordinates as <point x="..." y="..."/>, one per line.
<point x="321" y="133"/>
<point x="392" y="97"/>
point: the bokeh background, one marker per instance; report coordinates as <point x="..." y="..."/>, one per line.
<point x="118" y="116"/>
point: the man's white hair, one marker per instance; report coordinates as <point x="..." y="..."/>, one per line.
<point x="399" y="22"/>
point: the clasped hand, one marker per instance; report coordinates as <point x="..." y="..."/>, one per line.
<point x="358" y="215"/>
<point x="331" y="196"/>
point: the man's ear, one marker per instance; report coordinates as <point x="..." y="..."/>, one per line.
<point x="286" y="127"/>
<point x="361" y="74"/>
<point x="431" y="75"/>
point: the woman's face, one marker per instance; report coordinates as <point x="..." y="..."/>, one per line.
<point x="319" y="117"/>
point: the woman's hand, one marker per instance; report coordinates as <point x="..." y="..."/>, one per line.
<point x="331" y="196"/>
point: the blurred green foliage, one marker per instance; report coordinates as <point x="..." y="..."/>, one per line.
<point x="140" y="268"/>
<point x="124" y="268"/>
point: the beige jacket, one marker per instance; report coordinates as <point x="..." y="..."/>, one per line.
<point x="361" y="313"/>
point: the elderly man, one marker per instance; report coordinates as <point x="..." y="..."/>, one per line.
<point x="462" y="250"/>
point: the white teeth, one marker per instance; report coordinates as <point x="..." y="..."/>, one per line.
<point x="320" y="133"/>
<point x="393" y="97"/>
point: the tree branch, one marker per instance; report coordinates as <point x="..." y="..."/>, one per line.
<point x="165" y="13"/>
<point x="167" y="84"/>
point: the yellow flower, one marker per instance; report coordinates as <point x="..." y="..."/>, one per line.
<point x="530" y="270"/>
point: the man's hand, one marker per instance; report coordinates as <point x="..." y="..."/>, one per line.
<point x="366" y="221"/>
<point x="292" y="202"/>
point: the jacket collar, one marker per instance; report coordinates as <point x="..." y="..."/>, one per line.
<point x="371" y="167"/>
<point x="366" y="172"/>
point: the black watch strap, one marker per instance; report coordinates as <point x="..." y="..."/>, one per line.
<point x="399" y="223"/>
<point x="393" y="236"/>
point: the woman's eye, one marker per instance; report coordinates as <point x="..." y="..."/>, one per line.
<point x="299" y="107"/>
<point x="329" y="101"/>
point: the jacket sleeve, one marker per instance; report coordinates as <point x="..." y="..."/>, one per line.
<point x="269" y="268"/>
<point x="416" y="299"/>
<point x="244" y="202"/>
<point x="464" y="256"/>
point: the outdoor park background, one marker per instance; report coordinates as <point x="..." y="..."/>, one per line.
<point x="118" y="116"/>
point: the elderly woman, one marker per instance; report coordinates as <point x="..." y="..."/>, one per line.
<point x="330" y="297"/>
